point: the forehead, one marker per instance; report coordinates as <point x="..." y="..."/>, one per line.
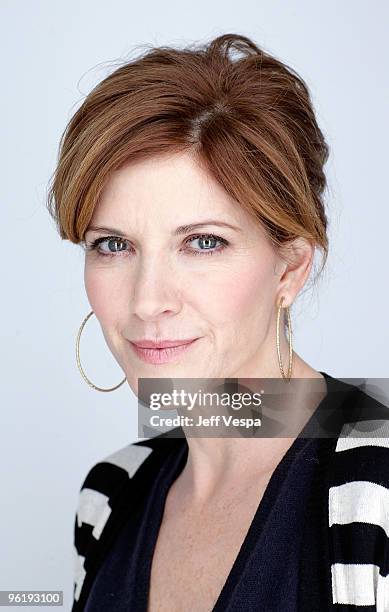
<point x="167" y="183"/>
<point x="163" y="192"/>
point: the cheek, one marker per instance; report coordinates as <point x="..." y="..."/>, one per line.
<point x="104" y="294"/>
<point x="238" y="292"/>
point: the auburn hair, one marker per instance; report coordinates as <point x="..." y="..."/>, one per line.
<point x="246" y="116"/>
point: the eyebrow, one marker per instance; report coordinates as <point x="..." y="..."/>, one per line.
<point x="181" y="229"/>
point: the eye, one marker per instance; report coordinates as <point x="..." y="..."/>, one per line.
<point x="117" y="247"/>
<point x="115" y="244"/>
<point x="208" y="243"/>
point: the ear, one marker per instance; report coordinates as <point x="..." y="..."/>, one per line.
<point x="297" y="258"/>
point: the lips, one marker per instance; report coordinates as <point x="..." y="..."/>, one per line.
<point x="161" y="352"/>
<point x="161" y="343"/>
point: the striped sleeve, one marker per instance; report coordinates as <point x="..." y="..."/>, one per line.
<point x="359" y="521"/>
<point x="96" y="501"/>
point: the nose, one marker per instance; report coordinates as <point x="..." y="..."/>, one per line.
<point x="155" y="290"/>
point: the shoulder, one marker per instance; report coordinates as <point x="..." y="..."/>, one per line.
<point x="358" y="508"/>
<point x="117" y="475"/>
<point x="104" y="481"/>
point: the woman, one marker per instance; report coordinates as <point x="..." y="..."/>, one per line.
<point x="194" y="180"/>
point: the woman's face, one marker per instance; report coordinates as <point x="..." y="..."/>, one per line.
<point x="152" y="280"/>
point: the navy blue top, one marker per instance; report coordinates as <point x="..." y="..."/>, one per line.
<point x="265" y="573"/>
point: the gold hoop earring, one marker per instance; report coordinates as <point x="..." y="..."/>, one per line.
<point x="289" y="339"/>
<point x="79" y="362"/>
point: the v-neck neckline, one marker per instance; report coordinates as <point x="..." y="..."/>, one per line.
<point x="174" y="465"/>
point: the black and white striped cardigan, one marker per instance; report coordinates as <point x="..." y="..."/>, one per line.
<point x="345" y="553"/>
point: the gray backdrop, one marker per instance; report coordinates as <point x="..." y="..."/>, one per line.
<point x="53" y="426"/>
